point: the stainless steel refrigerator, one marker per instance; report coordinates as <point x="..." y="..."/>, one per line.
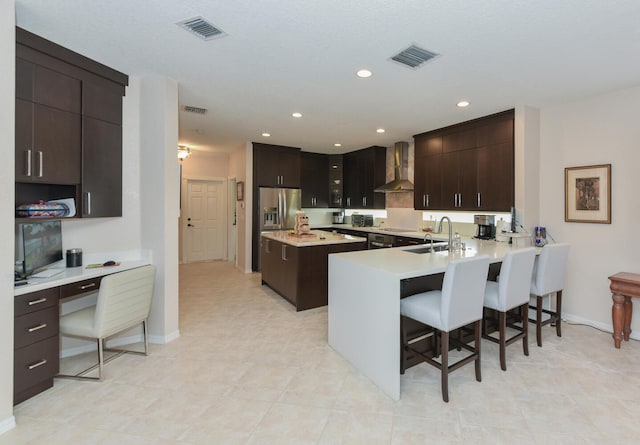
<point x="277" y="210"/>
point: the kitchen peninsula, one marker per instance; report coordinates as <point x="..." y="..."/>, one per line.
<point x="296" y="267"/>
<point x="364" y="302"/>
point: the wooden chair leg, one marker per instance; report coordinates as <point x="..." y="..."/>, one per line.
<point x="558" y="313"/>
<point x="502" y="320"/>
<point x="539" y="319"/>
<point x="478" y="336"/>
<point x="444" y="366"/>
<point x="524" y="310"/>
<point x="403" y="345"/>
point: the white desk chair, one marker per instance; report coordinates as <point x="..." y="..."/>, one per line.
<point x="548" y="277"/>
<point x="510" y="292"/>
<point x="124" y="300"/>
<point x="458" y="304"/>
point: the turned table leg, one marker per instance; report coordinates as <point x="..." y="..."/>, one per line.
<point x="628" y="311"/>
<point x="617" y="314"/>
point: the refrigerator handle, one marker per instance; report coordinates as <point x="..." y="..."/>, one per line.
<point x="284" y="207"/>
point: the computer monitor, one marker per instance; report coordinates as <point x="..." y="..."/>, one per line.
<point x="41" y="245"/>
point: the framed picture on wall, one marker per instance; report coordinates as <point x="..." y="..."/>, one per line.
<point x="587" y="194"/>
<point x="240" y="191"/>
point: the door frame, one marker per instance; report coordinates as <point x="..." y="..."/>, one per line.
<point x="182" y="223"/>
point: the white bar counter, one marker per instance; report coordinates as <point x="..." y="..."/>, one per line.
<point x="364" y="303"/>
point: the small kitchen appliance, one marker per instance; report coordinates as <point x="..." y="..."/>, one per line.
<point x="358" y="220"/>
<point x="337" y="218"/>
<point x="540" y="236"/>
<point x="486" y="226"/>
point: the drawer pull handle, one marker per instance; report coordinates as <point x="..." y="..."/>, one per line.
<point x="37" y="328"/>
<point x="87" y="286"/>
<point x="38" y="364"/>
<point x="41" y="300"/>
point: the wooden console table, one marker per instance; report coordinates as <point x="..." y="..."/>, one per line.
<point x="624" y="286"/>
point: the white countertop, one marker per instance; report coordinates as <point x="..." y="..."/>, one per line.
<point x="401" y="263"/>
<point x="317" y="238"/>
<point x="130" y="260"/>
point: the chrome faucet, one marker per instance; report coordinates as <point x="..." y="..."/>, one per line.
<point x="450" y="231"/>
<point x="429" y="236"/>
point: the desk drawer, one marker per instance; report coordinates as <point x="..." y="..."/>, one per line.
<point x="35" y="363"/>
<point x="36" y="326"/>
<point x="35" y="301"/>
<point x="81" y="287"/>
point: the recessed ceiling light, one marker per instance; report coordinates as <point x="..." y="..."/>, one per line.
<point x="380" y="130"/>
<point x="296" y="114"/>
<point x="364" y="73"/>
<point x="463" y="103"/>
<point x="337" y="144"/>
<point x="266" y="134"/>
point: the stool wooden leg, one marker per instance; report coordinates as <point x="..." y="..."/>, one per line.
<point x="444" y="366"/>
<point x="559" y="313"/>
<point x="478" y="349"/>
<point x="502" y="320"/>
<point x="524" y="309"/>
<point x="539" y="319"/>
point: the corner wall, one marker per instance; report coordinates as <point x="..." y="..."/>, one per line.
<point x="159" y="204"/>
<point x="7" y="142"/>
<point x="598" y="130"/>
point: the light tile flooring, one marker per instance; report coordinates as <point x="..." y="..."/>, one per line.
<point x="248" y="369"/>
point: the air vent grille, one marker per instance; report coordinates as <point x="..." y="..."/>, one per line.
<point x="202" y="28"/>
<point x="413" y="56"/>
<point x="190" y="109"/>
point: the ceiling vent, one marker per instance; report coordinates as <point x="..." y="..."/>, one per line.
<point x="414" y="56"/>
<point x="190" y="109"/>
<point x="202" y="28"/>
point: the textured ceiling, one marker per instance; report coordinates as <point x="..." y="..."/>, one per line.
<point x="282" y="56"/>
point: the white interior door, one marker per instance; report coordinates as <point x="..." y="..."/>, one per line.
<point x="205" y="221"/>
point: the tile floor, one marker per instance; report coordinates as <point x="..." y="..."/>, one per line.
<point x="248" y="369"/>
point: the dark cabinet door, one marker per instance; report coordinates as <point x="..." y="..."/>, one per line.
<point x="48" y="147"/>
<point x="468" y="180"/>
<point x="101" y="168"/>
<point x="314" y="170"/>
<point x="428" y="183"/>
<point x="496" y="177"/>
<point x="276" y="166"/>
<point x="364" y="170"/>
<point x="336" y="184"/>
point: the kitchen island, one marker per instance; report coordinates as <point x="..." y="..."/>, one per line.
<point x="296" y="267"/>
<point x="364" y="303"/>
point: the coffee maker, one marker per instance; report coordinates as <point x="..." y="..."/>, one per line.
<point x="486" y="226"/>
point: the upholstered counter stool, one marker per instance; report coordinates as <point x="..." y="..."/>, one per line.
<point x="124" y="300"/>
<point x="458" y="304"/>
<point x="510" y="292"/>
<point x="548" y="278"/>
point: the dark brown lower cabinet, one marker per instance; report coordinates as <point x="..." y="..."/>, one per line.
<point x="36" y="344"/>
<point x="300" y="274"/>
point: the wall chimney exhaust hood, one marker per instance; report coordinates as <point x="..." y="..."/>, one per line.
<point x="401" y="170"/>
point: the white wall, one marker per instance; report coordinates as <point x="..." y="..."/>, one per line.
<point x="598" y="130"/>
<point x="7" y="143"/>
<point x="159" y="204"/>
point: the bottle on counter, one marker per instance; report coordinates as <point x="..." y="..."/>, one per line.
<point x="457" y="242"/>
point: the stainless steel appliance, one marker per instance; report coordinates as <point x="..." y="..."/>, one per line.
<point x="358" y="220"/>
<point x="337" y="218"/>
<point x="277" y="208"/>
<point x="486" y="226"/>
<point x="380" y="241"/>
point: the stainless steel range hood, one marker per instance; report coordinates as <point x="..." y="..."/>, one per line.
<point x="401" y="170"/>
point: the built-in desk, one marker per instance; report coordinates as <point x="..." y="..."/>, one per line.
<point x="36" y="325"/>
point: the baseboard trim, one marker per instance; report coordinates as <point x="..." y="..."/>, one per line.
<point x="595" y="324"/>
<point x="119" y="341"/>
<point x="7" y="424"/>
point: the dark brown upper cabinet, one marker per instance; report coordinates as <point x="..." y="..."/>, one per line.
<point x="314" y="172"/>
<point x="68" y="128"/>
<point x="276" y="166"/>
<point x="467" y="166"/>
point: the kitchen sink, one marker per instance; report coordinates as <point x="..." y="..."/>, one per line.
<point x="437" y="247"/>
